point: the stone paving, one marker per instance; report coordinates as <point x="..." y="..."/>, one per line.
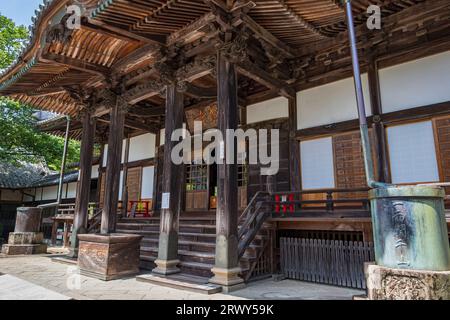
<point x="64" y="279"/>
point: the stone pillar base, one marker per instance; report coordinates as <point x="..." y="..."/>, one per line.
<point x="404" y="284"/>
<point x="20" y="243"/>
<point x="109" y="256"/>
<point x="228" y="278"/>
<point x="166" y="267"/>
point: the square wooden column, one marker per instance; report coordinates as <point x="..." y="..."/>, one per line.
<point x="382" y="173"/>
<point x="294" y="147"/>
<point x="80" y="222"/>
<point x="172" y="184"/>
<point x="226" y="270"/>
<point x="113" y="164"/>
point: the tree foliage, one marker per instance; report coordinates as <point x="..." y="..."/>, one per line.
<point x="12" y="39"/>
<point x="20" y="139"/>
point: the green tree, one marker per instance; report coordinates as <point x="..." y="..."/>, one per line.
<point x="21" y="141"/>
<point x="19" y="138"/>
<point x="12" y="39"/>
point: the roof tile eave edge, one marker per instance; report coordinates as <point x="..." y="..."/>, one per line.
<point x="40" y="13"/>
<point x="14" y="78"/>
<point x="101" y="8"/>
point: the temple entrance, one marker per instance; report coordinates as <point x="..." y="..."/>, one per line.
<point x="199" y="186"/>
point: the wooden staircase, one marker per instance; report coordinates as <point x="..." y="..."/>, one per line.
<point x="196" y="243"/>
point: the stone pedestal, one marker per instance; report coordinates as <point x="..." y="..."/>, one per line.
<point x="109" y="256"/>
<point x="26" y="238"/>
<point x="403" y="284"/>
<point x="227" y="278"/>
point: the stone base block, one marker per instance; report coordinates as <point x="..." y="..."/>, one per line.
<point x="166" y="267"/>
<point x="228" y="278"/>
<point x="109" y="256"/>
<point x="25" y="238"/>
<point x="22" y="249"/>
<point x="403" y="284"/>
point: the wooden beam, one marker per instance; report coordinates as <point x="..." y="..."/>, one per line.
<point x="187" y="34"/>
<point x="76" y="64"/>
<point x="136" y="57"/>
<point x="88" y="26"/>
<point x="133" y="124"/>
<point x="252" y="71"/>
<point x="200" y="92"/>
<point x="260" y="32"/>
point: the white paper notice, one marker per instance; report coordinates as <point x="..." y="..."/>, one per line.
<point x="165" y="201"/>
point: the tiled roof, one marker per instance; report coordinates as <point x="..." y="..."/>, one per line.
<point x="29" y="175"/>
<point x="53" y="179"/>
<point x="21" y="176"/>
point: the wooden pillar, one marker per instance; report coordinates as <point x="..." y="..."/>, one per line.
<point x="226" y="269"/>
<point x="125" y="178"/>
<point x="155" y="172"/>
<point x="378" y="130"/>
<point x="172" y="184"/>
<point x="113" y="164"/>
<point x="80" y="222"/>
<point x="294" y="147"/>
<point x="100" y="173"/>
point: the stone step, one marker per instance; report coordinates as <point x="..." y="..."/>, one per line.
<point x="182" y="281"/>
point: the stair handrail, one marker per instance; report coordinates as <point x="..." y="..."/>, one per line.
<point x="94" y="221"/>
<point x="250" y="205"/>
<point x="251" y="220"/>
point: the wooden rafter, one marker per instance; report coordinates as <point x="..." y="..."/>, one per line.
<point x="76" y="64"/>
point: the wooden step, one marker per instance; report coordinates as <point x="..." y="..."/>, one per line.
<point x="182" y="281"/>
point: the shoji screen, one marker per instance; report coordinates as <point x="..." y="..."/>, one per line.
<point x="317" y="163"/>
<point x="412" y="153"/>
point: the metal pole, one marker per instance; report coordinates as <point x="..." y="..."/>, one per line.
<point x="63" y="162"/>
<point x="367" y="151"/>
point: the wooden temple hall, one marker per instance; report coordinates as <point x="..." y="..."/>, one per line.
<point x="133" y="71"/>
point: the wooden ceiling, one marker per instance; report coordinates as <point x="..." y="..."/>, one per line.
<point x="293" y="44"/>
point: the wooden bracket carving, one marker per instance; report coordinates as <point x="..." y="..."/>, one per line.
<point x="60" y="33"/>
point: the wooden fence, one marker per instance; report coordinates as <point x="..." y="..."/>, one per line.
<point x="333" y="262"/>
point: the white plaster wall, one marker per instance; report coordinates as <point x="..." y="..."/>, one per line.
<point x="148" y="174"/>
<point x="271" y="109"/>
<point x="94" y="172"/>
<point x="317" y="163"/>
<point x="142" y="147"/>
<point x="412" y="153"/>
<point x="31" y="192"/>
<point x="105" y="153"/>
<point x="38" y="195"/>
<point x="417" y="83"/>
<point x="50" y="193"/>
<point x="71" y="190"/>
<point x="330" y="103"/>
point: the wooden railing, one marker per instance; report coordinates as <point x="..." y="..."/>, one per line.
<point x="326" y="201"/>
<point x="95" y="221"/>
<point x="251" y="220"/>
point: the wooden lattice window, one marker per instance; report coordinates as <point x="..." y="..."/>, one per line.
<point x="196" y="177"/>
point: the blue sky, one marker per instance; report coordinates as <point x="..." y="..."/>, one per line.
<point x="20" y="11"/>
